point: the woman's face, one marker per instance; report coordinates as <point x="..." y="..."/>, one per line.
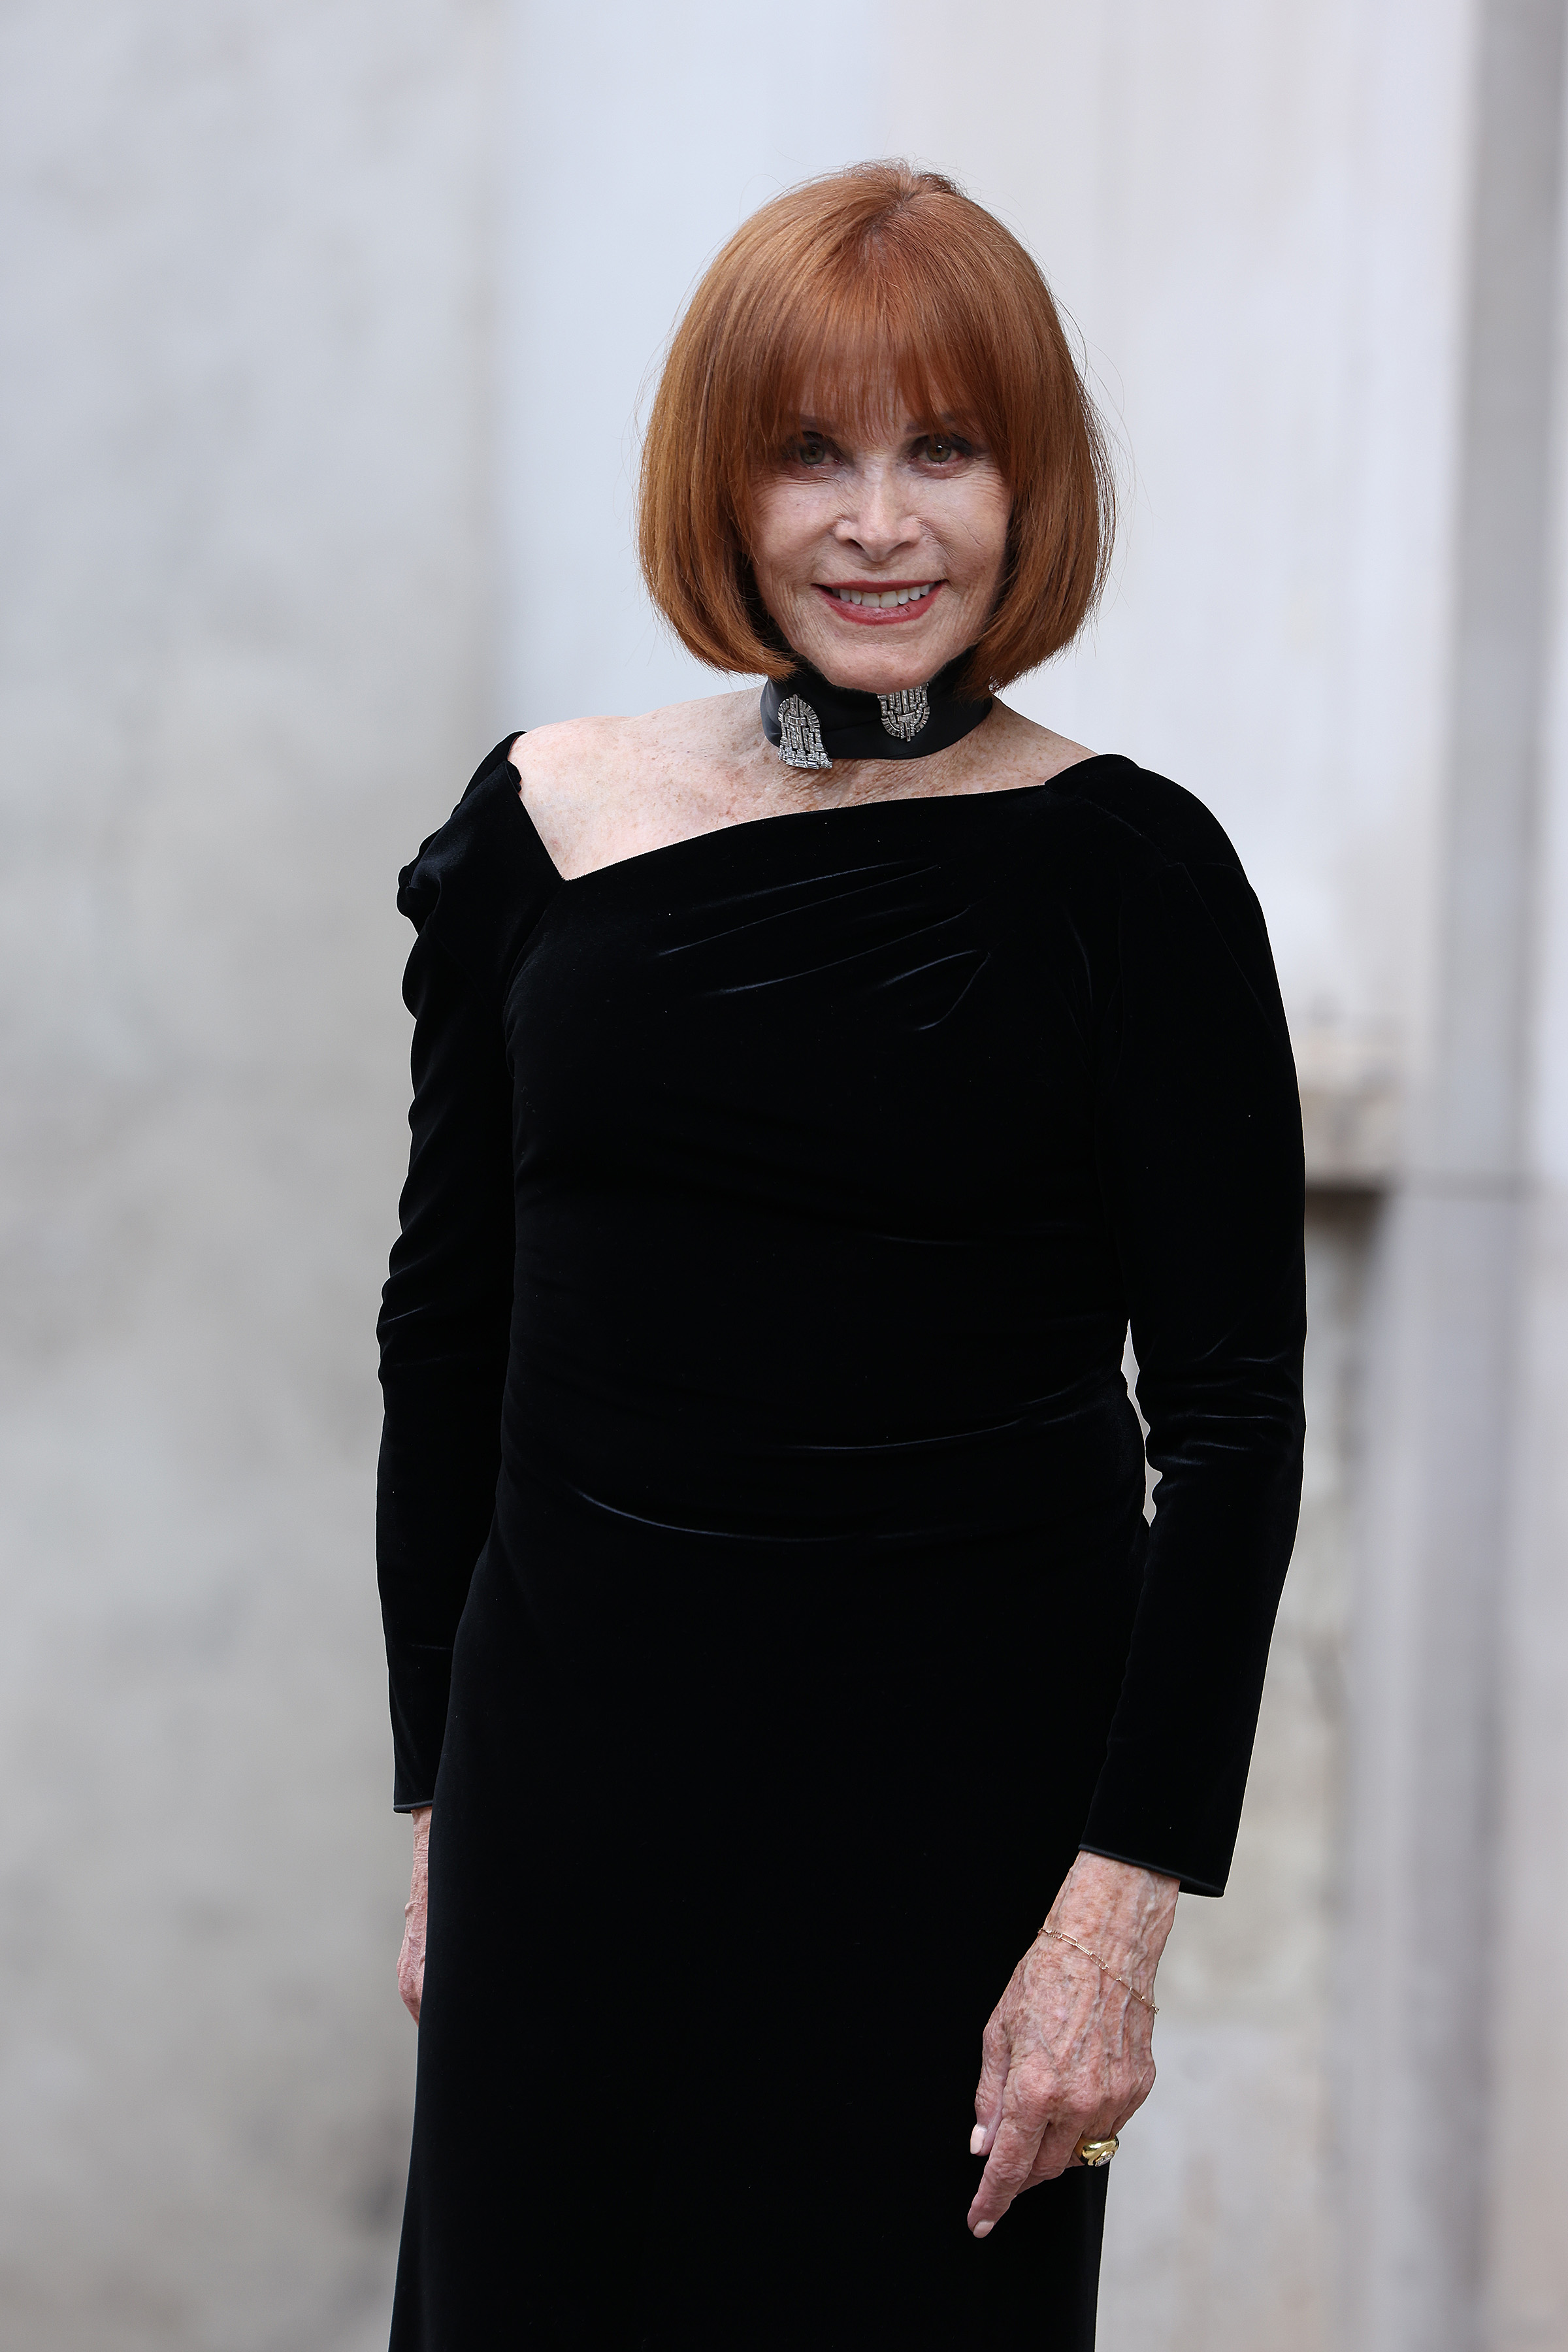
<point x="845" y="525"/>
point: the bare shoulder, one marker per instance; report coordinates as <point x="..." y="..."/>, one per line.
<point x="563" y="755"/>
<point x="1032" y="753"/>
<point x="601" y="788"/>
<point x="573" y="756"/>
<point x="1059" y="751"/>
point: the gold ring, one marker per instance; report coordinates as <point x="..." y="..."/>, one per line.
<point x="1095" y="2152"/>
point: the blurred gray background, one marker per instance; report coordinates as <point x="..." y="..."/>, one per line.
<point x="326" y="333"/>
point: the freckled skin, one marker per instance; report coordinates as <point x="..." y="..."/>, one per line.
<point x="410" y="1958"/>
<point x="1067" y="2051"/>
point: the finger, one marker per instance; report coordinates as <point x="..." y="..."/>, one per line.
<point x="1059" y="2144"/>
<point x="1135" y="2099"/>
<point x="996" y="2057"/>
<point x="1011" y="2161"/>
<point x="1128" y="2104"/>
<point x="1058" y="2148"/>
<point x="411" y="1977"/>
<point x="1005" y="2176"/>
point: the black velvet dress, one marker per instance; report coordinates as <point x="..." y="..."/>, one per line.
<point x="771" y="1610"/>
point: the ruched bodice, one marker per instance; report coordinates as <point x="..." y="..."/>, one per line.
<point x="765" y="1146"/>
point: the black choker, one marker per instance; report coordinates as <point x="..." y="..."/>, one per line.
<point x="814" y="723"/>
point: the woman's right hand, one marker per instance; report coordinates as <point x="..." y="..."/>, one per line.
<point x="410" y="1960"/>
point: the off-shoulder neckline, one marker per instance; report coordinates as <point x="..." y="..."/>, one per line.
<point x="780" y="817"/>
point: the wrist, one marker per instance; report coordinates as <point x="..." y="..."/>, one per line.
<point x="1121" y="1912"/>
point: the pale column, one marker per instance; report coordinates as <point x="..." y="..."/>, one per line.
<point x="1416" y="2094"/>
<point x="1528" y="2138"/>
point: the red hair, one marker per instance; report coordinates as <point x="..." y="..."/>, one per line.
<point x="877" y="275"/>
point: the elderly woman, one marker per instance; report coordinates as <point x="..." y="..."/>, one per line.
<point x="807" y="1095"/>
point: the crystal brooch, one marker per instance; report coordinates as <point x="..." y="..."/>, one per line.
<point x="906" y="713"/>
<point x="800" y="735"/>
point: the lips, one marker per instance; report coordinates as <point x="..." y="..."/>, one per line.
<point x="879" y="602"/>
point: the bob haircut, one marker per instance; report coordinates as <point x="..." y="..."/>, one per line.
<point x="876" y="275"/>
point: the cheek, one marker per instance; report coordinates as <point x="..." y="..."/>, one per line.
<point x="978" y="534"/>
<point x="995" y="517"/>
<point x="784" y="533"/>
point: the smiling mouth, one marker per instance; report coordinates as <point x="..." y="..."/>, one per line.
<point x="866" y="600"/>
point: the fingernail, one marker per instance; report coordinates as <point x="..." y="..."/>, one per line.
<point x="977" y="2140"/>
<point x="982" y="2229"/>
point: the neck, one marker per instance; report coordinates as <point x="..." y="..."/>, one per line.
<point x="813" y="722"/>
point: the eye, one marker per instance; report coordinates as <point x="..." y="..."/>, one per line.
<point x="944" y="448"/>
<point x="810" y="449"/>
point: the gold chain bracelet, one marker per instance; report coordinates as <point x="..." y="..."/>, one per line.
<point x="1056" y="1933"/>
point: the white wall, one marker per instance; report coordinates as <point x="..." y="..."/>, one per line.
<point x="245" y="643"/>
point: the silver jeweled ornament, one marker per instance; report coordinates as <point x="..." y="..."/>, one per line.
<point x="906" y="713"/>
<point x="800" y="734"/>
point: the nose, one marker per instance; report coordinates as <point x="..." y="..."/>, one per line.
<point x="877" y="522"/>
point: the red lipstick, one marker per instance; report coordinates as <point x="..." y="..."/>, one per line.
<point x="877" y="615"/>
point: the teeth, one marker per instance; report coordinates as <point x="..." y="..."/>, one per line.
<point x="886" y="599"/>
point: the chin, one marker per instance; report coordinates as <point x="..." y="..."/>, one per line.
<point x="880" y="667"/>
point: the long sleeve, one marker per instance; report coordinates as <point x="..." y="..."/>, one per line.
<point x="476" y="893"/>
<point x="444" y="1328"/>
<point x="1200" y="1172"/>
